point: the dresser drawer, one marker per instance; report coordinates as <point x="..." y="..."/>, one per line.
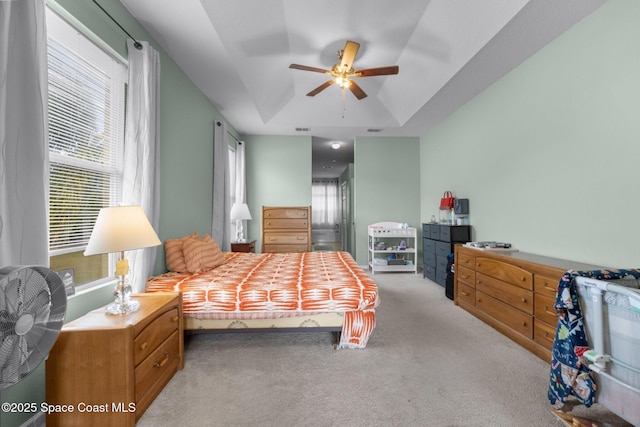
<point x="546" y="285"/>
<point x="156" y="332"/>
<point x="544" y="334"/>
<point x="429" y="259"/>
<point x="505" y="272"/>
<point x="290" y="213"/>
<point x="286" y="223"/>
<point x="544" y="309"/>
<point x="434" y="231"/>
<point x="285" y="238"/>
<point x="429" y="246"/>
<point x="163" y="359"/>
<point x="466" y="276"/>
<point x="285" y="248"/>
<point x="443" y="248"/>
<point x="466" y="293"/>
<point x="512" y="317"/>
<point x="519" y="298"/>
<point x="465" y="260"/>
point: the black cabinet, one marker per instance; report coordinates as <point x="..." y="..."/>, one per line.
<point x="438" y="241"/>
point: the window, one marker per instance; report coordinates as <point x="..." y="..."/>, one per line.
<point x="86" y="145"/>
<point x="324" y="203"/>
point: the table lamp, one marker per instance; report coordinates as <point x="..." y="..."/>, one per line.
<point x="240" y="212"/>
<point x="120" y="229"/>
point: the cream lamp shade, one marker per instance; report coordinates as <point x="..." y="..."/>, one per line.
<point x="121" y="228"/>
<point x="240" y="211"/>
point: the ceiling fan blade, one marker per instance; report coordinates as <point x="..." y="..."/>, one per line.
<point x="307" y="68"/>
<point x="380" y="71"/>
<point x="349" y="55"/>
<point x="322" y="87"/>
<point x="356" y="90"/>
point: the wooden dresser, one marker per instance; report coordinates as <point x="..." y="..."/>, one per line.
<point x="109" y="368"/>
<point x="514" y="292"/>
<point x="286" y="229"/>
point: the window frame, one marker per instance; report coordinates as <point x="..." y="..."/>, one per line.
<point x="115" y="194"/>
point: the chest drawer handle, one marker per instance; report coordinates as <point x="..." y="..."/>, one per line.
<point x="524" y="300"/>
<point x="163" y="361"/>
<point x="144" y="346"/>
<point x="523" y="323"/>
<point x="300" y="238"/>
<point x="466" y="294"/>
<point x="174" y="319"/>
<point x="273" y="239"/>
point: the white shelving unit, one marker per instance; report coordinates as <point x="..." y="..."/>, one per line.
<point x="386" y="252"/>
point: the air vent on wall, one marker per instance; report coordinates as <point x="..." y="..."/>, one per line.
<point x="303" y="129"/>
<point x="374" y="130"/>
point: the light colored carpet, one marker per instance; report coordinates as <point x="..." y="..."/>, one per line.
<point x="428" y="363"/>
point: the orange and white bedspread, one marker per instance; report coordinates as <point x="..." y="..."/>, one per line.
<point x="275" y="285"/>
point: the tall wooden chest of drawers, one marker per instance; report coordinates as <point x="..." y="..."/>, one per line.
<point x="107" y="369"/>
<point x="286" y="229"/>
<point x="512" y="291"/>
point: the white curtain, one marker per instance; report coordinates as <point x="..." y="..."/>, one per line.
<point x="240" y="182"/>
<point x="141" y="178"/>
<point x="221" y="201"/>
<point x="324" y="203"/>
<point x="24" y="153"/>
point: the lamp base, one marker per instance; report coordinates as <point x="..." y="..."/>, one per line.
<point x="122" y="307"/>
<point x="122" y="303"/>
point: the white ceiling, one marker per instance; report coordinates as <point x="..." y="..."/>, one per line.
<point x="237" y="52"/>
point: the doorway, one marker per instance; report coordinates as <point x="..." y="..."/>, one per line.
<point x="329" y="218"/>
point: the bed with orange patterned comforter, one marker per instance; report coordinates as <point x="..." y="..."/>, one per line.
<point x="274" y="286"/>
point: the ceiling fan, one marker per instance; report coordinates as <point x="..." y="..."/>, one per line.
<point x="343" y="73"/>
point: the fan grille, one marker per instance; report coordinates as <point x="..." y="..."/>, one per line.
<point x="32" y="308"/>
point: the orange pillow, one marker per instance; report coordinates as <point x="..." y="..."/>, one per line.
<point x="174" y="253"/>
<point x="202" y="254"/>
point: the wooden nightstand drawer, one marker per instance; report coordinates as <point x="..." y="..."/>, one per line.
<point x="155" y="333"/>
<point x="164" y="359"/>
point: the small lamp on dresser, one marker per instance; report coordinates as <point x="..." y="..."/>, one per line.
<point x="239" y="213"/>
<point x="120" y="229"/>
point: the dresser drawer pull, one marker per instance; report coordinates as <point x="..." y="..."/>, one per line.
<point x="546" y="310"/>
<point x="174" y="319"/>
<point x="524" y="300"/>
<point x="273" y="239"/>
<point x="523" y="323"/>
<point x="163" y="361"/>
<point x="144" y="346"/>
<point x="466" y="294"/>
<point x="300" y="238"/>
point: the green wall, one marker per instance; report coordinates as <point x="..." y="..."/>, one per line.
<point x="548" y="155"/>
<point x="386" y="185"/>
<point x="278" y="174"/>
<point x="186" y="132"/>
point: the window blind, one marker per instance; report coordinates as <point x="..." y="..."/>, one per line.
<point x="86" y="134"/>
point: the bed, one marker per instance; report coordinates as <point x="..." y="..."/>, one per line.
<point x="595" y="353"/>
<point x="324" y="291"/>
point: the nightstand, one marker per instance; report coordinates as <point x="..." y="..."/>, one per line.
<point x="249" y="246"/>
<point x="109" y="368"/>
